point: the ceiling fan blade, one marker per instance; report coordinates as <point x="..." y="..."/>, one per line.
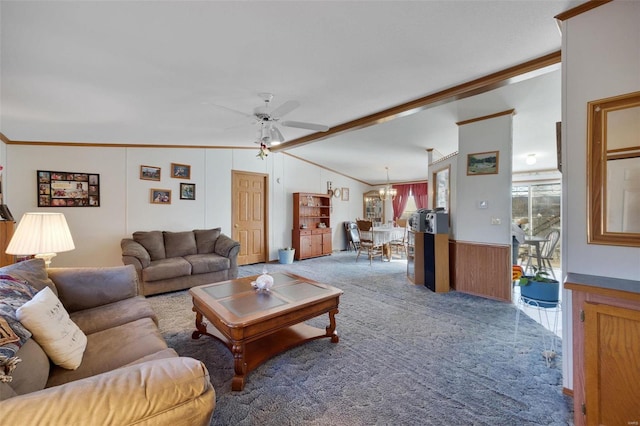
<point x="309" y="126"/>
<point x="284" y="109"/>
<point x="235" y="111"/>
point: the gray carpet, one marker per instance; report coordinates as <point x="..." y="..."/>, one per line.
<point x="406" y="356"/>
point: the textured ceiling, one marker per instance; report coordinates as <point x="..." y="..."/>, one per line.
<point x="169" y="72"/>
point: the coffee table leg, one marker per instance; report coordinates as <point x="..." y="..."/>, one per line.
<point x="331" y="328"/>
<point x="201" y="326"/>
<point x="239" y="366"/>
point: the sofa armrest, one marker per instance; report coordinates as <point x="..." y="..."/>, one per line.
<point x="227" y="247"/>
<point x="136" y="251"/>
<point x="164" y="391"/>
<point x="88" y="287"/>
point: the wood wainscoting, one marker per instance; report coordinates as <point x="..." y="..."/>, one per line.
<point x="481" y="269"/>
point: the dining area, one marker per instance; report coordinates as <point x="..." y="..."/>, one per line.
<point x="375" y="240"/>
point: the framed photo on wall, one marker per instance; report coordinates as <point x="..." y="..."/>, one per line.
<point x="187" y="191"/>
<point x="180" y="171"/>
<point x="149" y="173"/>
<point x="345" y="194"/>
<point x="68" y="189"/>
<point x="160" y="196"/>
<point x="483" y="163"/>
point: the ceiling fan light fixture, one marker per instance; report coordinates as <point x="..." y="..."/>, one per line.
<point x="276" y="136"/>
<point x="531" y="159"/>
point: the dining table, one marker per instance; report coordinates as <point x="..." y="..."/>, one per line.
<point x="383" y="235"/>
<point x="536" y="242"/>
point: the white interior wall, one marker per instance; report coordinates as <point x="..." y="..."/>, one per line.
<point x="125" y="198"/>
<point x="601" y="58"/>
<point x="473" y="223"/>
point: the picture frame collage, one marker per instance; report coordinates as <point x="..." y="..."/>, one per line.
<point x="162" y="195"/>
<point x="68" y="189"/>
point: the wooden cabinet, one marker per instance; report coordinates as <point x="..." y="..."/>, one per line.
<point x="311" y="235"/>
<point x="428" y="260"/>
<point x="373" y="207"/>
<point x="6" y="232"/>
<point x="606" y="349"/>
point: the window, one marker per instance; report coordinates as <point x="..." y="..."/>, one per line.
<point x="537" y="207"/>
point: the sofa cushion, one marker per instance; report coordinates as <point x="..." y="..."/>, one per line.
<point x="204" y="263"/>
<point x="32" y="372"/>
<point x="113" y="348"/>
<point x="33" y="271"/>
<point x="48" y="321"/>
<point x="153" y="241"/>
<point x="166" y="268"/>
<point x="178" y="244"/>
<point x="113" y="314"/>
<point x="206" y="239"/>
<point x="13" y="294"/>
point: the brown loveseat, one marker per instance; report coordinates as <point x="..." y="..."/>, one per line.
<point x="127" y="374"/>
<point x="168" y="261"/>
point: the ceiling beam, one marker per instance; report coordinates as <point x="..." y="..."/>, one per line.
<point x="481" y="85"/>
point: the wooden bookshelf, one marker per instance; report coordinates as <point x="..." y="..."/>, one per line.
<point x="311" y="234"/>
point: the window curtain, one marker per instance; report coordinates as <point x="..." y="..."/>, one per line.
<point x="419" y="191"/>
<point x="400" y="202"/>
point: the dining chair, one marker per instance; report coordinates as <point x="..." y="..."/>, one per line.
<point x="365" y="233"/>
<point x="546" y="252"/>
<point x="399" y="246"/>
<point x="353" y="236"/>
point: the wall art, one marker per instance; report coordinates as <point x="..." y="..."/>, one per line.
<point x="160" y="196"/>
<point x="482" y="163"/>
<point x="68" y="189"/>
<point x="150" y="173"/>
<point x="187" y="191"/>
<point x="180" y="171"/>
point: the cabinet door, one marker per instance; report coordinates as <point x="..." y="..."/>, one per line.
<point x="326" y="242"/>
<point x="612" y="351"/>
<point x="305" y="246"/>
<point x="316" y="244"/>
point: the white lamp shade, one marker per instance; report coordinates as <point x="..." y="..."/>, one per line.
<point x="39" y="233"/>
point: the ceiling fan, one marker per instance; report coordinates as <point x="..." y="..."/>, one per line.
<point x="269" y="134"/>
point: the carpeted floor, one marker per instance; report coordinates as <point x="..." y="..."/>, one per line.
<point x="406" y="356"/>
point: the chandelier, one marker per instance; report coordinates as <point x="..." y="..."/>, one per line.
<point x="388" y="192"/>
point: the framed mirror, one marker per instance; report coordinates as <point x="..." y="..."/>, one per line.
<point x="373" y="207"/>
<point x="440" y="181"/>
<point x="613" y="170"/>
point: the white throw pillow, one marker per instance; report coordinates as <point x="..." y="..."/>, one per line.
<point x="48" y="321"/>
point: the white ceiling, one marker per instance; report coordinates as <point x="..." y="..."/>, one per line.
<point x="155" y="72"/>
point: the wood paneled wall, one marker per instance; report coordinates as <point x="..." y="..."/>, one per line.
<point x="481" y="269"/>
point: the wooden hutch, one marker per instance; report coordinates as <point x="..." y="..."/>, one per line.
<point x="311" y="235"/>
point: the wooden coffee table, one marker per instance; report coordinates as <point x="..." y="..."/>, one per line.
<point x="256" y="325"/>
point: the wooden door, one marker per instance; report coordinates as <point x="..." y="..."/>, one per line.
<point x="249" y="216"/>
<point x="612" y="350"/>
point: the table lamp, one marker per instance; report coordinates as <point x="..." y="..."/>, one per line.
<point x="41" y="234"/>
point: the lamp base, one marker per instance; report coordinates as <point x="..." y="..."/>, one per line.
<point x="46" y="257"/>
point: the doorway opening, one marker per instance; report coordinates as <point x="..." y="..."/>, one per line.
<point x="536" y="207"/>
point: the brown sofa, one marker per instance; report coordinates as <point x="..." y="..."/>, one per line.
<point x="127" y="375"/>
<point x="168" y="261"/>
